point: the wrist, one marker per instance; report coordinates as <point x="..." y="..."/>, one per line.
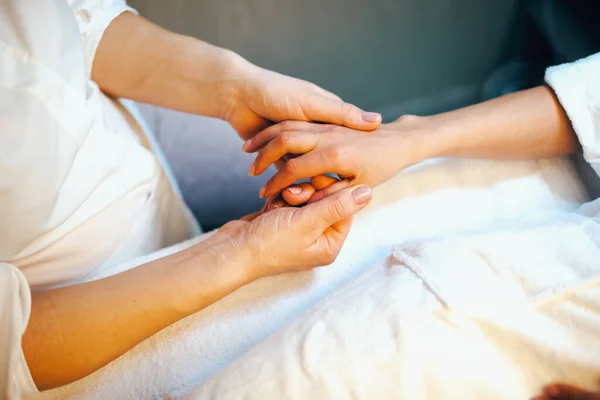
<point x="424" y="137"/>
<point x="443" y="134"/>
<point x="213" y="77"/>
<point x="225" y="265"/>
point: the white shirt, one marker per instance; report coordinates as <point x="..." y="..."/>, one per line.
<point x="80" y="188"/>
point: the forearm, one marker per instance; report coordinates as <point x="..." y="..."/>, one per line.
<point x="530" y="124"/>
<point x="139" y="60"/>
<point x="75" y="330"/>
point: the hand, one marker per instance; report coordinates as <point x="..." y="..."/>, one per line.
<point x="295" y="239"/>
<point x="265" y="96"/>
<point x="562" y="391"/>
<point x="359" y="157"/>
<point x="305" y="192"/>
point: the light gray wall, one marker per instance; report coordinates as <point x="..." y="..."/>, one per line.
<point x="390" y="55"/>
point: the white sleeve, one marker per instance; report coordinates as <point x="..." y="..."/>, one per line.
<point x="15" y="306"/>
<point x="93" y="17"/>
<point x="577" y="86"/>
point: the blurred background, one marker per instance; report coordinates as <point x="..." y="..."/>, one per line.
<point x="391" y="56"/>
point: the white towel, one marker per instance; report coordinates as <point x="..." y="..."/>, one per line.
<point x="486" y="316"/>
<point x="434" y="198"/>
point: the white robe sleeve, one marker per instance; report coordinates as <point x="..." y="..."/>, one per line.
<point x="15" y="306"/>
<point x="577" y="86"/>
<point x="93" y="17"/>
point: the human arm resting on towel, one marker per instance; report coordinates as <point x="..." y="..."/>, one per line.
<point x="525" y="125"/>
<point x="75" y="330"/>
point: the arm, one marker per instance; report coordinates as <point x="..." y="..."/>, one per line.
<point x="529" y="124"/>
<point x="75" y="330"/>
<point x="137" y="59"/>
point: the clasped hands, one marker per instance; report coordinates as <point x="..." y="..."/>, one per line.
<point x="306" y="132"/>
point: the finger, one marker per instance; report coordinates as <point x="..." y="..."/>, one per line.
<point x="328" y="245"/>
<point x="272" y="202"/>
<point x="329" y="190"/>
<point x="287" y="142"/>
<point x="320" y="182"/>
<point x="305" y="166"/>
<point x="324" y="109"/>
<point x="298" y="194"/>
<point x="268" y="134"/>
<point x="277" y="204"/>
<point x="323" y="214"/>
<point x="565" y="391"/>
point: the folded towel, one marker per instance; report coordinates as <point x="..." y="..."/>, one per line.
<point x="486" y="316"/>
<point x="433" y="198"/>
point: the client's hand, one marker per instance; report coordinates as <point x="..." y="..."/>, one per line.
<point x="295" y="239"/>
<point x="360" y="157"/>
<point x="563" y="391"/>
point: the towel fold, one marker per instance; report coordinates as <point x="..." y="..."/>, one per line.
<point x="434" y="198"/>
<point x="484" y="316"/>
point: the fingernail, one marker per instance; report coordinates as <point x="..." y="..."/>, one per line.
<point x="252" y="170"/>
<point x="247" y="145"/>
<point x="261" y="194"/>
<point x="294" y="190"/>
<point x="370" y="116"/>
<point x="362" y="194"/>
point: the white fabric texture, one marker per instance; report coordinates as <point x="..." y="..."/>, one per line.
<point x="488" y="316"/>
<point x="93" y="166"/>
<point x="93" y="17"/>
<point x="434" y="198"/>
<point x="577" y="86"/>
<point x="15" y="306"/>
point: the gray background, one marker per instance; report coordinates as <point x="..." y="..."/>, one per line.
<point x="391" y="56"/>
<point x="385" y="55"/>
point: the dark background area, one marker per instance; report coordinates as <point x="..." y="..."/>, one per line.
<point x="392" y="56"/>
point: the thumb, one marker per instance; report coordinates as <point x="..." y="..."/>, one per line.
<point x="325" y="109"/>
<point x="321" y="214"/>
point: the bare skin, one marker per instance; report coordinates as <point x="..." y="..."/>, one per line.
<point x="526" y="125"/>
<point x="183" y="73"/>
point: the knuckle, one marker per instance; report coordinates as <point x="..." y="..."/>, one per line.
<point x="335" y="154"/>
<point x="292" y="167"/>
<point x="284" y="139"/>
<point x="332" y="129"/>
<point x="337" y="209"/>
<point x="329" y="255"/>
<point x="349" y="111"/>
<point x="285" y="125"/>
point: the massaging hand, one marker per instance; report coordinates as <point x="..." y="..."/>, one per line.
<point x="264" y="97"/>
<point x="290" y="239"/>
<point x="562" y="391"/>
<point x="356" y="156"/>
